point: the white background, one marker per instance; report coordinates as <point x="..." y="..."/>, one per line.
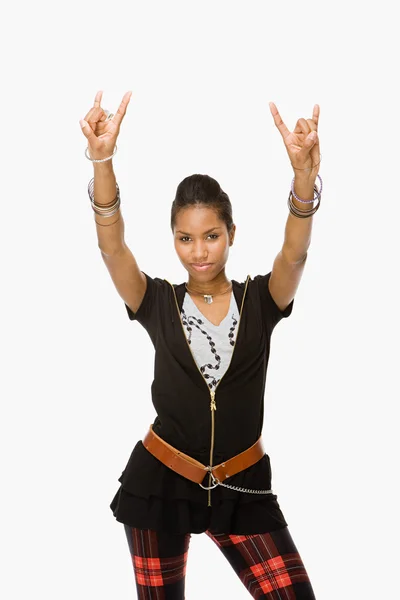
<point x="77" y="372"/>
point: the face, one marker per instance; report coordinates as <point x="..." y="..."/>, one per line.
<point x="201" y="237"/>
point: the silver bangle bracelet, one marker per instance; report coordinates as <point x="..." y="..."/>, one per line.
<point x="107" y="214"/>
<point x="300" y="213"/>
<point x="100" y="160"/>
<point x="104" y="211"/>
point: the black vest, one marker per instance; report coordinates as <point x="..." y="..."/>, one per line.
<point x="211" y="428"/>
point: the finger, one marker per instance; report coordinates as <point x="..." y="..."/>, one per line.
<point x="315" y="154"/>
<point x="302" y="127"/>
<point x="93" y="115"/>
<point x="103" y="116"/>
<point x="312" y="125"/>
<point x="119" y="115"/>
<point x="97" y="99"/>
<point x="315" y="116"/>
<point x="284" y="131"/>
<point x="309" y="143"/>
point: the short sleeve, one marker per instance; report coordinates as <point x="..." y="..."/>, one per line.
<point x="146" y="314"/>
<point x="271" y="312"/>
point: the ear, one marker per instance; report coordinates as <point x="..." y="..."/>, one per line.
<point x="232" y="235"/>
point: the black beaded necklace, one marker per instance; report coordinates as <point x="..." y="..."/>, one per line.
<point x="188" y="321"/>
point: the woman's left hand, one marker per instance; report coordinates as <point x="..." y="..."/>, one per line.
<point x="302" y="144"/>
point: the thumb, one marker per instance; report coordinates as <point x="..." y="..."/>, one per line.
<point x="86" y="129"/>
<point x="311" y="139"/>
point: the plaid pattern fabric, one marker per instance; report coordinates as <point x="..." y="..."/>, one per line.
<point x="159" y="562"/>
<point x="268" y="564"/>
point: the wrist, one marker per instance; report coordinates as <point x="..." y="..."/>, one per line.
<point x="304" y="187"/>
<point x="304" y="177"/>
<point x="103" y="167"/>
<point x="96" y="159"/>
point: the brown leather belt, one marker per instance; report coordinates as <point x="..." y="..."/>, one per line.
<point x="193" y="469"/>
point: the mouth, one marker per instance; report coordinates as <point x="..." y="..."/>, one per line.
<point x="201" y="266"/>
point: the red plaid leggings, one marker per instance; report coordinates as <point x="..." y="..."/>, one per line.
<point x="268" y="564"/>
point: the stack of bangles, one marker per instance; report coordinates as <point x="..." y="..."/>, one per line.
<point x="104" y="210"/>
<point x="108" y="210"/>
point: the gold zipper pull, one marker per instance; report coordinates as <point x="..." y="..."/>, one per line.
<point x="213" y="405"/>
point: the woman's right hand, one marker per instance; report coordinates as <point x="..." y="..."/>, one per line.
<point x="100" y="133"/>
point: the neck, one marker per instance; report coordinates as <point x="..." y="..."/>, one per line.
<point x="211" y="286"/>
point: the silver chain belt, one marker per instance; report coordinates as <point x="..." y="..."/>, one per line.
<point x="233" y="487"/>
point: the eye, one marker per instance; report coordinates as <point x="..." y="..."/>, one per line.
<point x="182" y="239"/>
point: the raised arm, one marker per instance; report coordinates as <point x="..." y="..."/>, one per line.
<point x="303" y="148"/>
<point x="101" y="135"/>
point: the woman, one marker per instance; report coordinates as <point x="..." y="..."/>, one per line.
<point x="202" y="467"/>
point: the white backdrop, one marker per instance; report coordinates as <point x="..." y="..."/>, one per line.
<point x="77" y="372"/>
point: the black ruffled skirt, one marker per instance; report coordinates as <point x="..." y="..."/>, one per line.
<point x="152" y="496"/>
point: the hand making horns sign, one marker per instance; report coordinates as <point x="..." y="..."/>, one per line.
<point x="302" y="144"/>
<point x="102" y="131"/>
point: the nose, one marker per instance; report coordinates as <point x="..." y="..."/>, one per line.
<point x="200" y="253"/>
<point x="202" y="259"/>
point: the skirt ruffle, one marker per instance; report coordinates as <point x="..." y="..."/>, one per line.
<point x="152" y="496"/>
<point x="182" y="516"/>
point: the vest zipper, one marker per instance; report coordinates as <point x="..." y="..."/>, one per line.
<point x="213" y="405"/>
<point x="213" y="408"/>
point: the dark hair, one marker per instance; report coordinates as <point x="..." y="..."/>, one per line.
<point x="202" y="189"/>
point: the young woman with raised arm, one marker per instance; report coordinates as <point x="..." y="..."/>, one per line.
<point x="202" y="465"/>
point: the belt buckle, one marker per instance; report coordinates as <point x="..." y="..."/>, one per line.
<point x="215" y="481"/>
